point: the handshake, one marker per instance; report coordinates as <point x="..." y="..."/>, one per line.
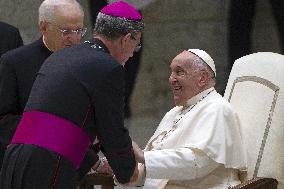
<point x="102" y="166"/>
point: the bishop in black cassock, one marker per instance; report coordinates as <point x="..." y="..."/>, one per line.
<point x="75" y="87"/>
<point x="77" y="97"/>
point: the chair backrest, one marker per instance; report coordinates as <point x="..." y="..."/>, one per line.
<point x="256" y="90"/>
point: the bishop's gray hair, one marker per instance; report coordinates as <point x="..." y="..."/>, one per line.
<point x="113" y="27"/>
<point x="47" y="8"/>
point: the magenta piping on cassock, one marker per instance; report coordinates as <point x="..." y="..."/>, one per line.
<point x="54" y="133"/>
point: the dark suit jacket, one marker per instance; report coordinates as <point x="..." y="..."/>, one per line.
<point x="18" y="69"/>
<point x="10" y="38"/>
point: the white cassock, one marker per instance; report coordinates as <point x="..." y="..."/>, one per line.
<point x="195" y="147"/>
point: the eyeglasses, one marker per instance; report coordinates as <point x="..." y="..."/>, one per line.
<point x="138" y="47"/>
<point x="68" y="32"/>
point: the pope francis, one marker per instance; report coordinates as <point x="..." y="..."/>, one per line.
<point x="198" y="144"/>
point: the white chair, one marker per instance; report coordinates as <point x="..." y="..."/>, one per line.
<point x="256" y="90"/>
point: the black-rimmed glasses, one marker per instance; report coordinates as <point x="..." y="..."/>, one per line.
<point x="138" y="47"/>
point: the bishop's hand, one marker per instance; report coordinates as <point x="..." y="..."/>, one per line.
<point x="139" y="154"/>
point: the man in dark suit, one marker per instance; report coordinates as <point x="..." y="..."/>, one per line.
<point x="77" y="97"/>
<point x="10" y="38"/>
<point x="18" y="67"/>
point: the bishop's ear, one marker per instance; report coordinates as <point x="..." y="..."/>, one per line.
<point x="125" y="40"/>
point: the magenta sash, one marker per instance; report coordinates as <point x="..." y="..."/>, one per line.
<point x="54" y="133"/>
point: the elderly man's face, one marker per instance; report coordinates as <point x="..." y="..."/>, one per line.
<point x="57" y="34"/>
<point x="184" y="78"/>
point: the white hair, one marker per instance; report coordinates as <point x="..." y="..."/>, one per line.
<point x="47" y="8"/>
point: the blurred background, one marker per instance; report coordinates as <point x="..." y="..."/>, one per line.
<point x="171" y="27"/>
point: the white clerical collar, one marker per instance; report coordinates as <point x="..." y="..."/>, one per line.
<point x="198" y="97"/>
<point x="43" y="40"/>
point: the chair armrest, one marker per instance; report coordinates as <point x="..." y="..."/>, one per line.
<point x="97" y="179"/>
<point x="257" y="183"/>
